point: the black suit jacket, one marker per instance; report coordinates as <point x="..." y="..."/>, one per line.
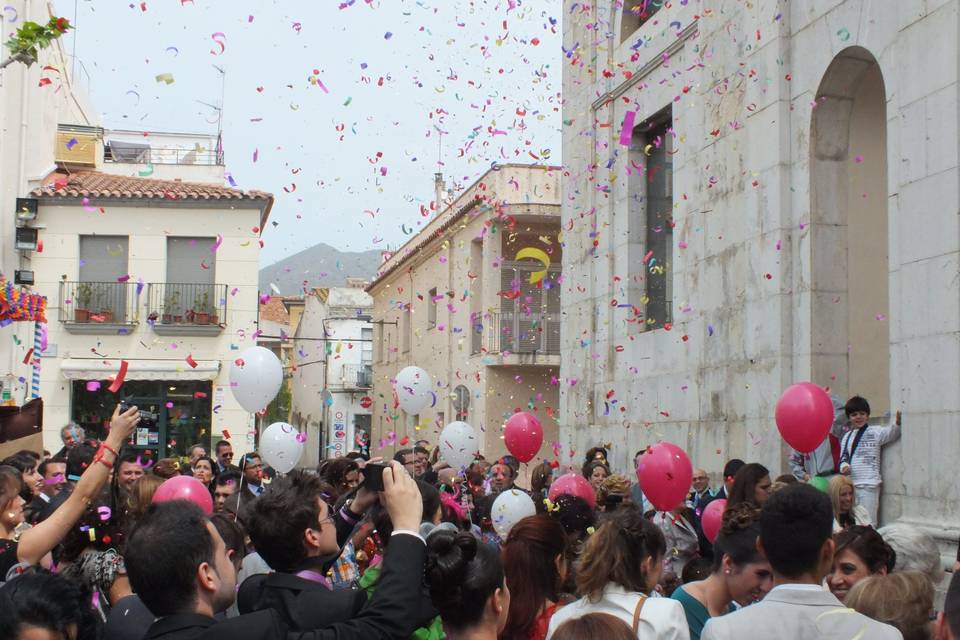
<point x="393" y="611"/>
<point x="301" y="603"/>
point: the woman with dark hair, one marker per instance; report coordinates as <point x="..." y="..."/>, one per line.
<point x="540" y="480"/>
<point x="40" y="604"/>
<point x="751" y="484"/>
<point x="619" y="568"/>
<point x="740" y="573"/>
<point x="593" y="455"/>
<point x="343" y="474"/>
<point x="26" y="462"/>
<point x="206" y="470"/>
<point x="860" y="552"/>
<point x="596" y="472"/>
<point x="37" y="542"/>
<point x="467" y="586"/>
<point x="534" y="560"/>
<point x="595" y="625"/>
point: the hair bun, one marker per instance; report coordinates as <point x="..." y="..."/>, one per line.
<point x="739" y="517"/>
<point x="448" y="554"/>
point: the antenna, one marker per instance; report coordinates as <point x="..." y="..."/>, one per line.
<point x="223" y="93"/>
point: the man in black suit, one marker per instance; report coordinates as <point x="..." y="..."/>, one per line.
<point x="279" y="524"/>
<point x="178" y="565"/>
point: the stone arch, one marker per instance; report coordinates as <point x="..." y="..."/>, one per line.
<point x="849" y="237"/>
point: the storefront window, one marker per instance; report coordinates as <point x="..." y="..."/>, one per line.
<point x="182" y="408"/>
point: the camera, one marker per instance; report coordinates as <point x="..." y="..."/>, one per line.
<point x="148" y="419"/>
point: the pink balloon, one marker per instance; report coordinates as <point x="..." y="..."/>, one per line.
<point x="804" y="416"/>
<point x="573" y="484"/>
<point x="523" y="436"/>
<point x="712" y="517"/>
<point x="185" y="488"/>
<point x="665" y="472"/>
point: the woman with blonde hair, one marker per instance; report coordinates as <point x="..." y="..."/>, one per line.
<point x="141" y="495"/>
<point x="903" y="599"/>
<point x="846" y="512"/>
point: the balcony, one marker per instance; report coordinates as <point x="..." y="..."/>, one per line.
<point x="185" y="309"/>
<point x="99" y="308"/>
<point x="118" y="152"/>
<point x="518" y="338"/>
<point x="355" y="376"/>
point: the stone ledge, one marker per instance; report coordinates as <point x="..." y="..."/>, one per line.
<point x="100" y="328"/>
<point x="187" y="329"/>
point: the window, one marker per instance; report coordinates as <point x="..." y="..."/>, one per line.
<point x="432" y="309"/>
<point x="103" y="259"/>
<point x="191" y="274"/>
<point x="652" y="200"/>
<point x="406" y="330"/>
<point x="529" y="323"/>
<point x="635" y="14"/>
<point x="366" y="334"/>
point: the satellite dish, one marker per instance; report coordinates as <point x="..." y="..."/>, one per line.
<point x="461" y="398"/>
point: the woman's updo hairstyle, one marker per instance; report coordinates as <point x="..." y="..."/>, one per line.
<point x="738" y="535"/>
<point x="462" y="574"/>
<point x="869" y="547"/>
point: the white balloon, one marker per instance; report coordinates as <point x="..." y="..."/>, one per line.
<point x="458" y="444"/>
<point x="414" y="389"/>
<point x="508" y="509"/>
<point x="258" y="380"/>
<point x="280" y="446"/>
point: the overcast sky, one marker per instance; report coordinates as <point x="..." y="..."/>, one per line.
<point x="359" y="141"/>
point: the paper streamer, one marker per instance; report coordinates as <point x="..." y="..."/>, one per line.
<point x="626" y="134"/>
<point x="118" y="380"/>
<point x="538" y="255"/>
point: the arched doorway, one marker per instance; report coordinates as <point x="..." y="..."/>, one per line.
<point x="849" y="242"/>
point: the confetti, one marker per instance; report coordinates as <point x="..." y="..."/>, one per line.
<point x="118" y="379"/>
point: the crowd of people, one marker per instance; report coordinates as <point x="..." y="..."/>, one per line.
<point x="407" y="548"/>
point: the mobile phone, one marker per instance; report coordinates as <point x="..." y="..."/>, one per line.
<point x="373" y="476"/>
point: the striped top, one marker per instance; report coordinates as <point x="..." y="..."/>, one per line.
<point x="865" y="461"/>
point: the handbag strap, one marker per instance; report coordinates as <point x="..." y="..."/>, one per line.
<point x="636" y="614"/>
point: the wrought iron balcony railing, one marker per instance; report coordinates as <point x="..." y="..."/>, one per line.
<point x="521" y="333"/>
<point x="174" y="303"/>
<point x="98" y="302"/>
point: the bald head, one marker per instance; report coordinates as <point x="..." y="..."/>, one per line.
<point x="701" y="481"/>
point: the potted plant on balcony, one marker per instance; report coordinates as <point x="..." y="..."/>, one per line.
<point x="171" y="307"/>
<point x="106" y="312"/>
<point x="202" y="312"/>
<point x="84" y="294"/>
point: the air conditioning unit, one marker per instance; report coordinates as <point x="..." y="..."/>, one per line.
<point x="79" y="146"/>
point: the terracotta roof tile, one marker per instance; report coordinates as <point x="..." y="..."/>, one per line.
<point x="96" y="185"/>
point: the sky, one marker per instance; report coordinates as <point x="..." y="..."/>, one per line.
<point x="340" y="108"/>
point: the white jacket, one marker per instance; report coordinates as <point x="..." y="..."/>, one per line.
<point x="860" y="516"/>
<point x="660" y="619"/>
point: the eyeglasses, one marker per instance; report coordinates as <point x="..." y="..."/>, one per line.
<point x="226" y="455"/>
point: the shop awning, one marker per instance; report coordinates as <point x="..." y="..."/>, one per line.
<point x="89" y="369"/>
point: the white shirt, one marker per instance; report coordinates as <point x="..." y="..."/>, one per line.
<point x="660" y="618"/>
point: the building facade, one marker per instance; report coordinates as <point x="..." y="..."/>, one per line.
<point x="458" y="301"/>
<point x="333" y="375"/>
<point x="756" y="195"/>
<point x="162" y="276"/>
<point x="33" y="101"/>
